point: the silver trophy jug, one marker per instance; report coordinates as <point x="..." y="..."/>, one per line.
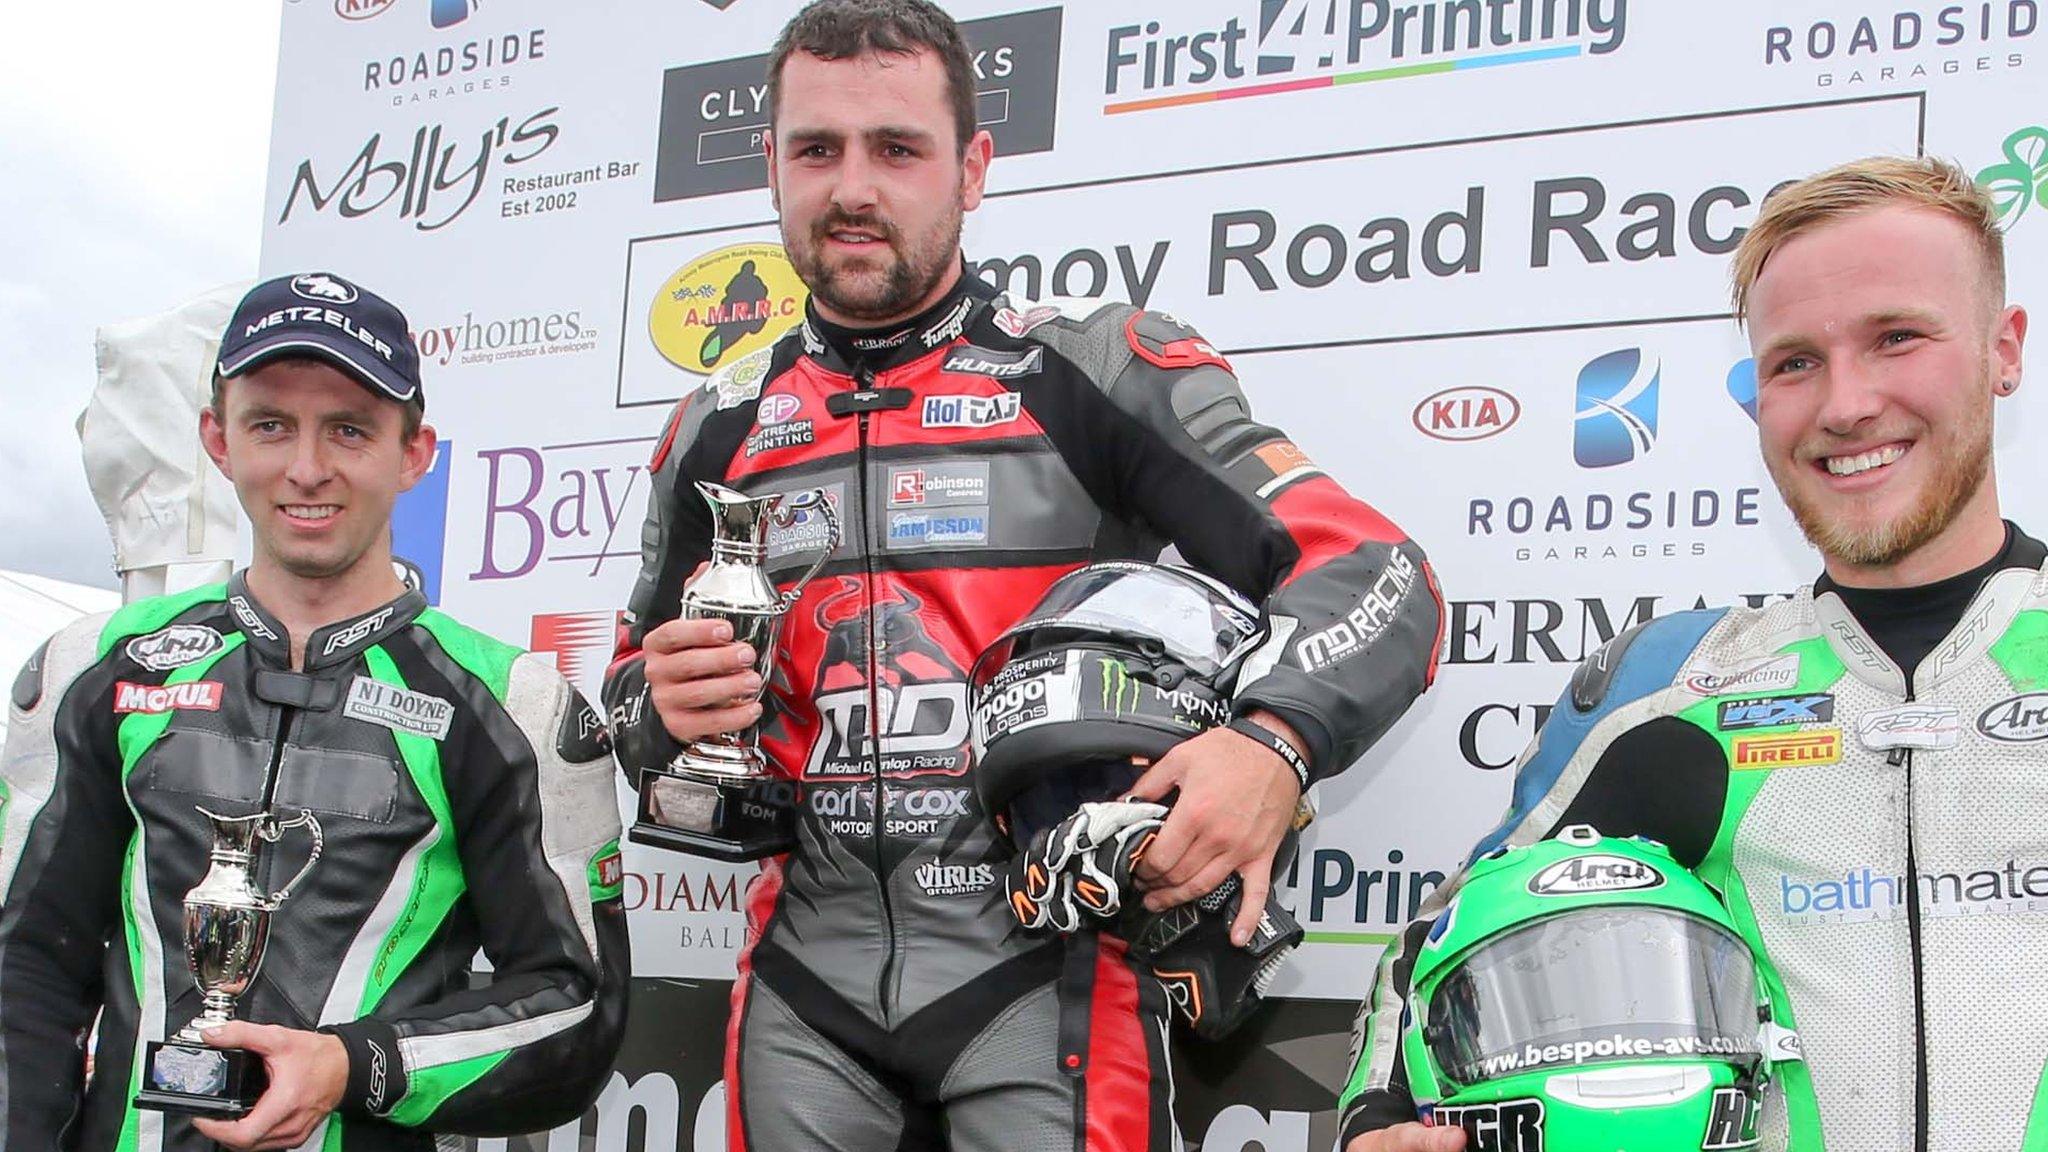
<point x="227" y="925"/>
<point x="718" y="797"/>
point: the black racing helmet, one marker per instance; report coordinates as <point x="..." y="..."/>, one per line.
<point x="1119" y="662"/>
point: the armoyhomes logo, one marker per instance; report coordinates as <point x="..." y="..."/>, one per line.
<point x="1616" y="417"/>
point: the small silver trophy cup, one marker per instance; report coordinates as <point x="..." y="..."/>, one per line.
<point x="717" y="798"/>
<point x="227" y="924"/>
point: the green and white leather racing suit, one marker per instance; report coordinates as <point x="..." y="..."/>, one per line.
<point x="1882" y="839"/>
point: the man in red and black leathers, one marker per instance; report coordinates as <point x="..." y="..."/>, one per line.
<point x="977" y="447"/>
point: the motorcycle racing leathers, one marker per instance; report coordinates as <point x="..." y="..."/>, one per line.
<point x="465" y="796"/>
<point x="974" y="455"/>
<point x="1881" y="837"/>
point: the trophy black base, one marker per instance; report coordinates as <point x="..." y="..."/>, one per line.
<point x="734" y="820"/>
<point x="200" y="1080"/>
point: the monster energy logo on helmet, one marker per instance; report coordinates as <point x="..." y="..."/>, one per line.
<point x="1118" y="685"/>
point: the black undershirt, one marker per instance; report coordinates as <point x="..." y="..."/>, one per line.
<point x="1908" y="622"/>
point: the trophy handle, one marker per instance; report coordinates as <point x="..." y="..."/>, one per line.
<point x="275" y="832"/>
<point x="814" y="496"/>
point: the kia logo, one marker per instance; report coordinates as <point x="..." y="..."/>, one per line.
<point x="1469" y="412"/>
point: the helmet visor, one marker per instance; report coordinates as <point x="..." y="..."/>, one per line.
<point x="1608" y="983"/>
<point x="1201" y="625"/>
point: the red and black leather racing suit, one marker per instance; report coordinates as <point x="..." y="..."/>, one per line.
<point x="975" y="455"/>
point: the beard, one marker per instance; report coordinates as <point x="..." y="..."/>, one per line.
<point x="1959" y="472"/>
<point x="856" y="288"/>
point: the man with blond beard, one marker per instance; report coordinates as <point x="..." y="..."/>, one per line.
<point x="1896" y="870"/>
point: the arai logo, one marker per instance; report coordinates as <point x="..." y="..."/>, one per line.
<point x="2016" y="719"/>
<point x="1595" y="872"/>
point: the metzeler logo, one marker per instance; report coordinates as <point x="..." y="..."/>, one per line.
<point x="1298" y="45"/>
<point x="324" y="287"/>
<point x="724" y="305"/>
<point x="1806" y="748"/>
<point x="714" y="116"/>
<point x="1616" y="417"/>
<point x="1470" y="412"/>
<point x="204" y="695"/>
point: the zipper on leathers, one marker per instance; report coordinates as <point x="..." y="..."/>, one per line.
<point x="864" y="377"/>
<point x="1904" y="756"/>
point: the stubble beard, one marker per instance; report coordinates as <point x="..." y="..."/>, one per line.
<point x="1958" y="476"/>
<point x="916" y="265"/>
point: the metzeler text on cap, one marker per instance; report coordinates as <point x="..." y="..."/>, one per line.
<point x="322" y="315"/>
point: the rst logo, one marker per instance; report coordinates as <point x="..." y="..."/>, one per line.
<point x="1471" y="412"/>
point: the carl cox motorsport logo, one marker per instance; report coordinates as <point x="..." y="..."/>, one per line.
<point x="1173" y="56"/>
<point x="1615" y="401"/>
<point x="714" y="116"/>
<point x="724" y="305"/>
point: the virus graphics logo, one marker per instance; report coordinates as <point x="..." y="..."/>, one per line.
<point x="724" y="305"/>
<point x="1616" y="418"/>
<point x="580" y="642"/>
<point x="419" y="525"/>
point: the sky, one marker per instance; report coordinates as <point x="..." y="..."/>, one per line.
<point x="133" y="141"/>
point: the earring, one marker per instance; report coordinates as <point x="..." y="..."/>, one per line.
<point x="2007" y="386"/>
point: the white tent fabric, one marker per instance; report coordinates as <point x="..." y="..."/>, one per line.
<point x="31" y="608"/>
<point x="172" y="516"/>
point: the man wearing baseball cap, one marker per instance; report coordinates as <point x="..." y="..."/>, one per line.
<point x="462" y="791"/>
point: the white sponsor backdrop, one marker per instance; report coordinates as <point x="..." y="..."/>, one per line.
<point x="1366" y="203"/>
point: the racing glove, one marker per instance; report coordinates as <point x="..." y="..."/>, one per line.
<point x="1080" y="869"/>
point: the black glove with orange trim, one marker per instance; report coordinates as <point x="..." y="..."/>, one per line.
<point x="1079" y="870"/>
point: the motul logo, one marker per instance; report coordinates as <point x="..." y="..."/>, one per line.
<point x="200" y="694"/>
<point x="1471" y="412"/>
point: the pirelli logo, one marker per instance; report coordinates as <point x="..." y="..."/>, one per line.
<point x="1796" y="751"/>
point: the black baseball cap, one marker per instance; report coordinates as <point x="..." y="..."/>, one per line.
<point x="321" y="315"/>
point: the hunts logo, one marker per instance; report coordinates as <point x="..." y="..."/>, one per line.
<point x="1595" y="872"/>
<point x="996" y="365"/>
<point x="438" y="177"/>
<point x="204" y="695"/>
<point x="724" y="305"/>
<point x="174" y="647"/>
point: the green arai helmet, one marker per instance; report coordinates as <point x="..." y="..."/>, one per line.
<point x="1588" y="994"/>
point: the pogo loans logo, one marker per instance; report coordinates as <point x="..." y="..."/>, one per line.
<point x="1296" y="45"/>
<point x="725" y="304"/>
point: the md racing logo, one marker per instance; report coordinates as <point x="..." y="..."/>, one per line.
<point x="1280" y="46"/>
